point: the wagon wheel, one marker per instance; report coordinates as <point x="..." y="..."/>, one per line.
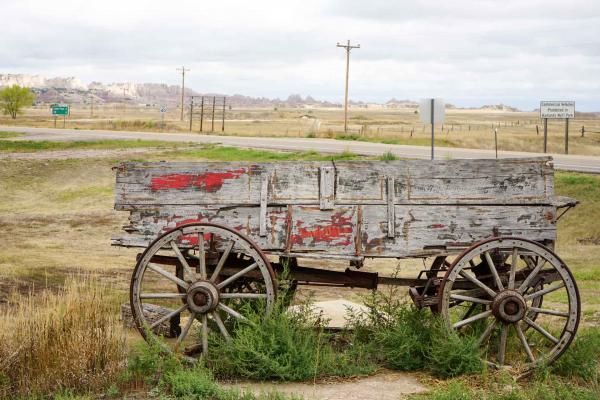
<point x="215" y="269"/>
<point x="492" y="293"/>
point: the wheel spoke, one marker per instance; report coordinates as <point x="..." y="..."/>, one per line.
<point x="549" y="312"/>
<point x="168" y="316"/>
<point x="494" y="271"/>
<point x="530" y="277"/>
<point x="542" y="292"/>
<point x="221" y="325"/>
<point x="201" y="255"/>
<point x="237" y="275"/>
<point x="488" y="331"/>
<point x="243" y="295"/>
<point x="513" y="268"/>
<point x="541" y="330"/>
<point x="221" y="262"/>
<point x="162" y="295"/>
<point x="502" y="349"/>
<point x="472" y="319"/>
<point x="185" y="330"/>
<point x="231" y="312"/>
<point x="469" y="299"/>
<point x="168" y="275"/>
<point x="204" y="335"/>
<point x="523" y="340"/>
<point x="182" y="260"/>
<point x="477" y="282"/>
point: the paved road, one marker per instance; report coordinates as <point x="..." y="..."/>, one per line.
<point x="563" y="162"/>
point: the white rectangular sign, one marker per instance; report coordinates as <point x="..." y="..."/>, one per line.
<point x="438" y="111"/>
<point x="557" y="109"/>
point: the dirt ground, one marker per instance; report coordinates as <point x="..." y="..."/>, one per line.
<point x="384" y="385"/>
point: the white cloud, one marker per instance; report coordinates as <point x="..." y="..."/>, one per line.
<point x="468" y="52"/>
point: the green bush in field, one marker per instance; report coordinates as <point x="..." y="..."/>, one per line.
<point x="450" y="355"/>
<point x="582" y="358"/>
<point x="549" y="390"/>
<point x="388" y="156"/>
<point x="171" y="378"/>
<point x="407" y="339"/>
<point x="285" y="345"/>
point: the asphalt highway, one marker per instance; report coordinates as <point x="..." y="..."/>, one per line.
<point x="590" y="164"/>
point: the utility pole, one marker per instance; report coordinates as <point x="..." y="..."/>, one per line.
<point x="348" y="47"/>
<point x="183" y="71"/>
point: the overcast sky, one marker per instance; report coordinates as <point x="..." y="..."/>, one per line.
<point x="468" y="52"/>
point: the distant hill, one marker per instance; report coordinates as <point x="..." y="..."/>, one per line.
<point x="71" y="90"/>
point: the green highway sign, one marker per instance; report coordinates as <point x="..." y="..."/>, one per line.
<point x="60" y="110"/>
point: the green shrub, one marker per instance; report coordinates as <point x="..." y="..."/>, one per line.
<point x="407" y="339"/>
<point x="285" y="345"/>
<point x="388" y="156"/>
<point x="451" y="355"/>
<point x="582" y="358"/>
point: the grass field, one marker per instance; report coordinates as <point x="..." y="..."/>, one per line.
<point x="520" y="131"/>
<point x="57" y="218"/>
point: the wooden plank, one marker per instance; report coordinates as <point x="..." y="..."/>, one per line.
<point x="506" y="181"/>
<point x="420" y="230"/>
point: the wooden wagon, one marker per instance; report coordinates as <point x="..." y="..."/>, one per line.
<point x="217" y="235"/>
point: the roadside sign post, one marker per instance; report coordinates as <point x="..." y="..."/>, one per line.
<point x="63" y="110"/>
<point x="432" y="111"/>
<point x="557" y="110"/>
<point x="496" y="141"/>
<point x="163" y="110"/>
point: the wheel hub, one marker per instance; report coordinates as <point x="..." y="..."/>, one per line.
<point x="202" y="297"/>
<point x="509" y="306"/>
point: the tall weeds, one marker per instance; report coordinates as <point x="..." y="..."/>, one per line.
<point x="51" y="342"/>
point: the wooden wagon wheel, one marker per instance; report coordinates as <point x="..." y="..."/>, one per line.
<point x="199" y="272"/>
<point x="492" y="292"/>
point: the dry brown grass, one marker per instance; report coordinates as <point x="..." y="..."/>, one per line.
<point x="53" y="341"/>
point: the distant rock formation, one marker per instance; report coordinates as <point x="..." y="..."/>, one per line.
<point x="71" y="90"/>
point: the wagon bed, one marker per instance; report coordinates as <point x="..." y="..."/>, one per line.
<point x="350" y="209"/>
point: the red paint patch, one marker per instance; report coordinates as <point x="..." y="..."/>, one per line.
<point x="208" y="181"/>
<point x="437" y="226"/>
<point x="340" y="230"/>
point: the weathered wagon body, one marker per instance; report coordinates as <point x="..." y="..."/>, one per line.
<point x="351" y="209"/>
<point x="346" y="210"/>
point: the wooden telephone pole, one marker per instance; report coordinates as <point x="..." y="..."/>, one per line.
<point x="348" y="47"/>
<point x="183" y="71"/>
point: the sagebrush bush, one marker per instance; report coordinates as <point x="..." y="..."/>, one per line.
<point x="52" y="342"/>
<point x="406" y="338"/>
<point x="289" y="345"/>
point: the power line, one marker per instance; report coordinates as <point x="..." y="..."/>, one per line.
<point x="183" y="71"/>
<point x="348" y="47"/>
